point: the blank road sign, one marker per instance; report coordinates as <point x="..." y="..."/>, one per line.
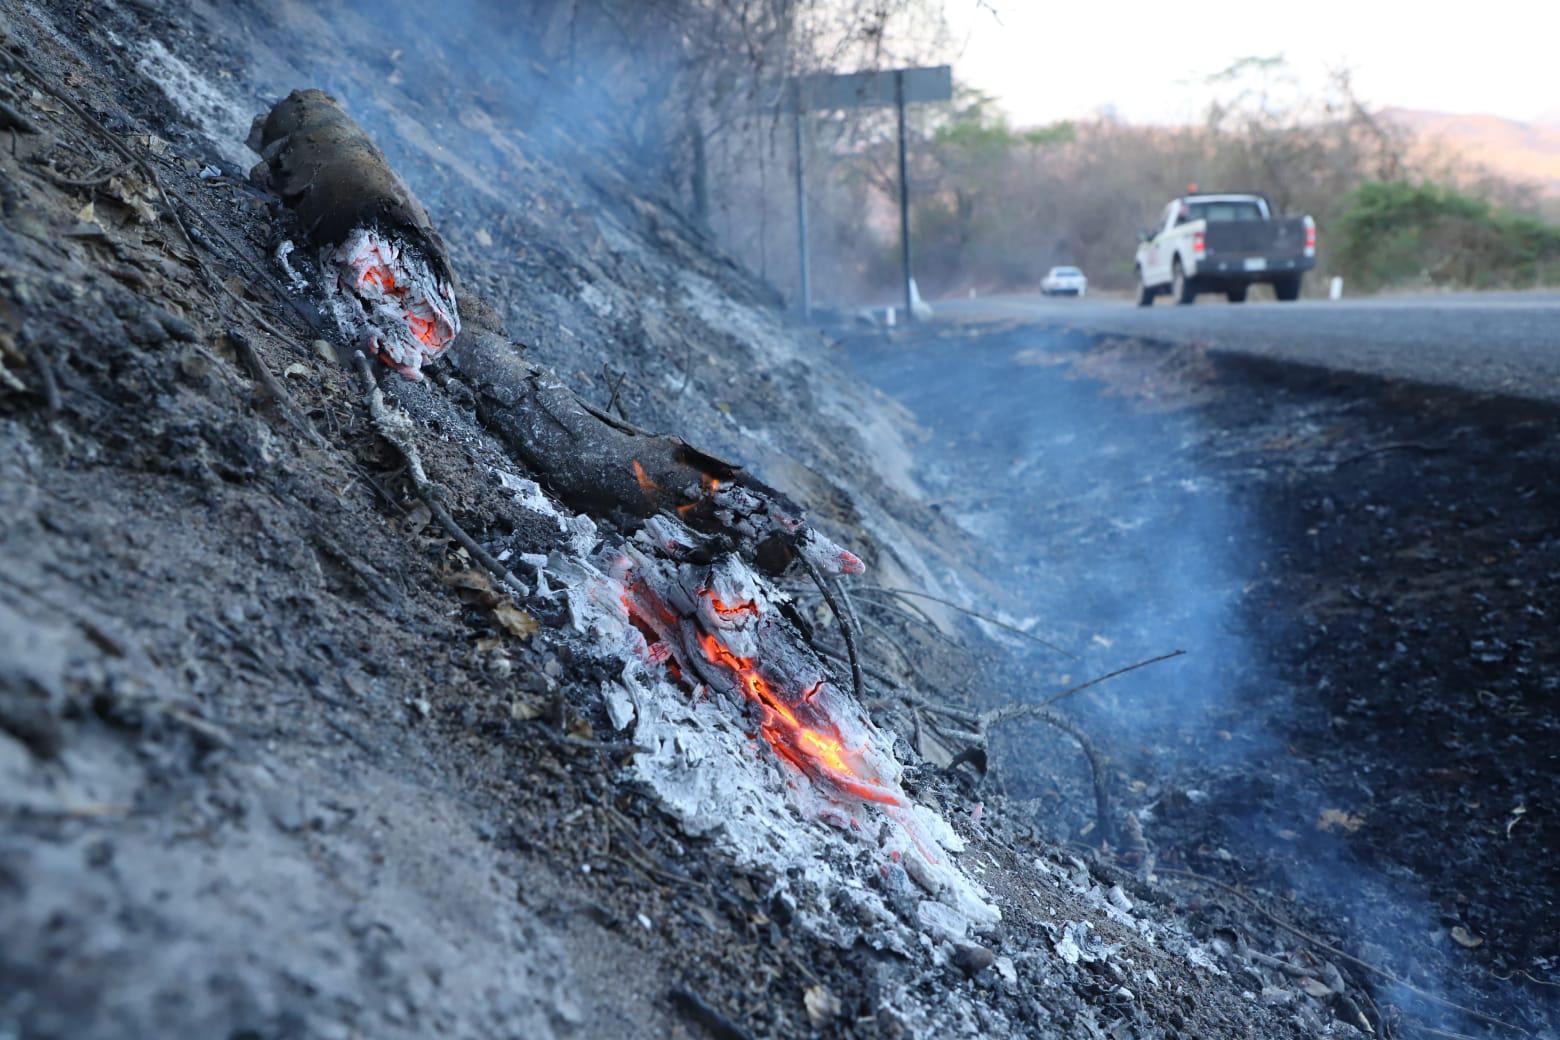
<point x="822" y="92"/>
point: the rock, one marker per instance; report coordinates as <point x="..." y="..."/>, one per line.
<point x="1006" y="971"/>
<point x="782" y="908"/>
<point x="972" y="958"/>
<point x="921" y="874"/>
<point x="176" y="327"/>
<point x="942" y="922"/>
<point x="823" y="1006"/>
<point x="286" y="811"/>
<point x="146" y="331"/>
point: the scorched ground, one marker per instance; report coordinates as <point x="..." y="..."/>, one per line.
<point x="281" y="758"/>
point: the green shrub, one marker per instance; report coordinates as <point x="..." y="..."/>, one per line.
<point x="1400" y="233"/>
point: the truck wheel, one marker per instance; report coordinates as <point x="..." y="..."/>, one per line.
<point x="1287" y="288"/>
<point x="1237" y="294"/>
<point x="1181" y="287"/>
<point x="1146" y="292"/>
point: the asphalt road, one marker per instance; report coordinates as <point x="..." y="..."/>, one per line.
<point x="1495" y="343"/>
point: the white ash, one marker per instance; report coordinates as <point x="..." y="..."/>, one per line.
<point x="283" y="256"/>
<point x="224" y="119"/>
<point x="709" y="768"/>
<point x="387" y="301"/>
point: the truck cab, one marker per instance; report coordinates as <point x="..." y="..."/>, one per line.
<point x="1223" y="243"/>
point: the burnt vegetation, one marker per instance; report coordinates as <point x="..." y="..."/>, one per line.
<point x="389" y="647"/>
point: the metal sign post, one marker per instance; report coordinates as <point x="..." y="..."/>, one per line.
<point x="896" y="87"/>
<point x="801" y="207"/>
<point x="904" y="195"/>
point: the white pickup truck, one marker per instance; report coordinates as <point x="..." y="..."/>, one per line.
<point x="1223" y="243"/>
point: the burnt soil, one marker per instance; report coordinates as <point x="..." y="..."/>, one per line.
<point x="1363" y="734"/>
<point x="271" y="765"/>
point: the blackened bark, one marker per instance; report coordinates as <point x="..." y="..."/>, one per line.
<point x="598" y="464"/>
<point x="324" y="165"/>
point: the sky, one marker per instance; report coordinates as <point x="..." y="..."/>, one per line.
<point x="1046" y="60"/>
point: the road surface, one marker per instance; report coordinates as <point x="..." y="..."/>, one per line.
<point x="1495" y="343"/>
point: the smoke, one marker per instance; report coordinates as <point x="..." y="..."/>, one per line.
<point x="1120" y="526"/>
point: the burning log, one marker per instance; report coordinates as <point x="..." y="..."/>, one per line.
<point x="392" y="292"/>
<point x="601" y="465"/>
<point x="673" y="601"/>
<point x="722" y="625"/>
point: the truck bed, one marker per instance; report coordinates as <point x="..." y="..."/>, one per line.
<point x="1281" y="243"/>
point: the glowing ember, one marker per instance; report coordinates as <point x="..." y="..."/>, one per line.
<point x="813" y="745"/>
<point x="749" y="608"/>
<point x="391" y="303"/>
<point x="704" y="638"/>
<point x="794" y="716"/>
<point x="648" y="486"/>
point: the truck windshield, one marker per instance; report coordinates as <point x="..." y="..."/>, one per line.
<point x="1220" y="212"/>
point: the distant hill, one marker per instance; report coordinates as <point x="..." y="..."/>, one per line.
<point x="1508" y="147"/>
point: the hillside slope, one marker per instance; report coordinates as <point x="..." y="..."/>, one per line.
<point x="273" y="762"/>
<point x="1525" y="152"/>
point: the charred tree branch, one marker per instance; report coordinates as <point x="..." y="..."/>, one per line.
<point x="1099" y="679"/>
<point x="972" y="613"/>
<point x="1104" y="818"/>
<point x="396" y="429"/>
<point x="844" y="624"/>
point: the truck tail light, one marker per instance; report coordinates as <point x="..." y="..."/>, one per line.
<point x="1199" y="244"/>
<point x="1310" y="237"/>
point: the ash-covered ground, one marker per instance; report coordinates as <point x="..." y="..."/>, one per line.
<point x="278" y="760"/>
<point x="1362" y="734"/>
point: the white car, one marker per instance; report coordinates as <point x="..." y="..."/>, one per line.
<point x="1064" y="281"/>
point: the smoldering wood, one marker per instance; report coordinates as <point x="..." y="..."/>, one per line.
<point x="324" y="166"/>
<point x="599" y="464"/>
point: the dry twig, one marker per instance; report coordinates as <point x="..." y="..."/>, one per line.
<point x="972" y="613"/>
<point x="844" y="623"/>
<point x="395" y="428"/>
<point x="273" y="386"/>
<point x="94" y="179"/>
<point x="1097" y="680"/>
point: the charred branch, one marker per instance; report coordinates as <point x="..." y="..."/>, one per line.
<point x="1004" y="625"/>
<point x="844" y="624"/>
<point x="394" y="297"/>
<point x="393" y="293"/>
<point x="599" y="464"/>
<point x="324" y="166"/>
<point x="395" y="429"/>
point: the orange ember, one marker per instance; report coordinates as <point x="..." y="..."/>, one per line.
<point x="381" y="278"/>
<point x="424" y="329"/>
<point x="648" y="486"/>
<point x="723" y="610"/>
<point x="803" y="746"/>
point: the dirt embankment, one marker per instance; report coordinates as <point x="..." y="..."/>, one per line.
<point x="273" y="762"/>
